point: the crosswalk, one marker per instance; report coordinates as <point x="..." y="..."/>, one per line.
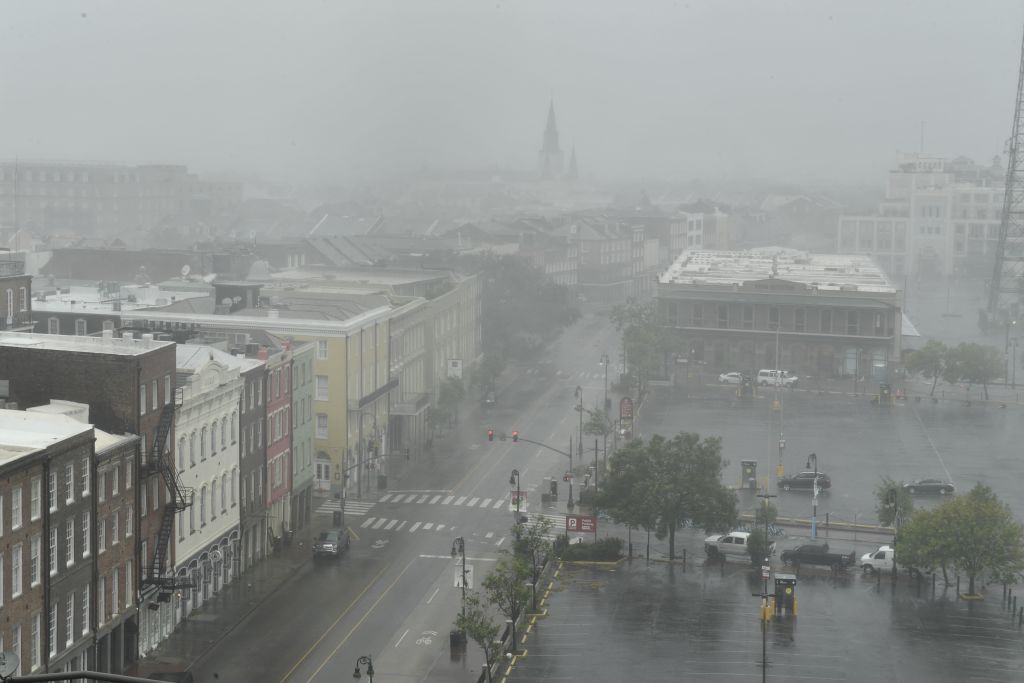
<point x="356" y="508"/>
<point x="566" y="375"/>
<point x="444" y="499"/>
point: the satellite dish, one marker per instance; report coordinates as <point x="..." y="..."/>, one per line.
<point x="185" y="270"/>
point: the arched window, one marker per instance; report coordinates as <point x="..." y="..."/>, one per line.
<point x="192" y="449"/>
<point x="234" y="427"/>
<point x="213" y="438"/>
<point x="202" y="443"/>
<point x="224" y="433"/>
<point x="202" y="506"/>
<point x="192" y="518"/>
<point x="234" y="486"/>
<point x="181" y="454"/>
<point x="224" y="492"/>
<point x="213" y="500"/>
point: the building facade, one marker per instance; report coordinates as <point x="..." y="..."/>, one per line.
<point x="279" y="443"/>
<point x="252" y="412"/>
<point x="15" y="296"/>
<point x="302" y="435"/>
<point x="816" y="314"/>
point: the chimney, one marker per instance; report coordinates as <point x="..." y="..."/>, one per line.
<point x="108" y="334"/>
<point x="147" y="339"/>
<point x="126" y="336"/>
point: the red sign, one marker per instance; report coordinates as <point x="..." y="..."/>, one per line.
<point x="626" y="407"/>
<point x="516" y="498"/>
<point x="580" y="524"/>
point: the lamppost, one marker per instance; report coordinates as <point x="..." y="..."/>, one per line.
<point x="459" y="548"/>
<point x="579" y="407"/>
<point x="364" y="660"/>
<point x="514" y="479"/>
<point x="765" y="496"/>
<point x="814" y="496"/>
<point x="1014" y="380"/>
<point x="604" y="362"/>
<point x="1006" y="348"/>
<point x="894" y="499"/>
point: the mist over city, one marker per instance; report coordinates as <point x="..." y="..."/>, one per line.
<point x="511" y="341"/>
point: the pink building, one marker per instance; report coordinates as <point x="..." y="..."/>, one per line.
<point x="279" y="440"/>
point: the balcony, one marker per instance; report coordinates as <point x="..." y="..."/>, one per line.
<point x="358" y="404"/>
<point x="411" y="404"/>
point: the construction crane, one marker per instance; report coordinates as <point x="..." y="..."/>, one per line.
<point x="1006" y="288"/>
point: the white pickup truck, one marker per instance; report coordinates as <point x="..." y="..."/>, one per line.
<point x="732" y="544"/>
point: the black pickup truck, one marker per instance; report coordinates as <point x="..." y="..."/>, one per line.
<point x="817" y="555"/>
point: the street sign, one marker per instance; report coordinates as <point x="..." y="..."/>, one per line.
<point x="469" y="576"/>
<point x="8" y="664"/>
<point x="766" y="571"/>
<point x="517" y="496"/>
<point x="580" y="524"/>
<point x="626" y="407"/>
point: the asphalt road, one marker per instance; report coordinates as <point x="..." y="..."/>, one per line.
<point x="392" y="597"/>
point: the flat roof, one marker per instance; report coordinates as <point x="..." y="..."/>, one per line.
<point x="368" y="277"/>
<point x="79" y="299"/>
<point x="23" y="433"/>
<point x="112" y="345"/>
<point x="272" y="322"/>
<point x="835" y="272"/>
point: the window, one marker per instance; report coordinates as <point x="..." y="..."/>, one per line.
<point x="275" y="384"/>
<point x="826" y="322"/>
<point x="115" y="584"/>
<point x="213" y="438"/>
<point x="321" y="388"/>
<point x="35" y="508"/>
<point x="53" y="326"/>
<point x="128" y="479"/>
<point x="213" y="500"/>
<point x="224" y="433"/>
<point x="800" y="320"/>
<point x="851" y="322"/>
<point x="101" y="535"/>
<point x="748" y="317"/>
<point x="16" y="507"/>
<point x="16" y="644"/>
<point x="129" y="581"/>
<point x="142" y="399"/>
<point x="115" y="480"/>
<point x="723" y="316"/>
<point x="202" y="444"/>
<point x="129" y="521"/>
<point x="84" y="473"/>
<point x="321" y="426"/>
<point x="234" y="427"/>
<point x="155" y="395"/>
<point x="34" y="552"/>
<point x="102" y="486"/>
<point x="259" y="392"/>
<point x="167" y="390"/>
<point x="155" y="494"/>
<point x="53" y="551"/>
<point x="69" y="620"/>
<point x="144" y="500"/>
<point x="51" y="628"/>
<point x="36" y="643"/>
<point x="191" y="519"/>
<point x="234" y="485"/>
<point x="69" y="542"/>
<point x="192" y="449"/>
<point x="23" y="299"/>
<point x="697" y="316"/>
<point x="52" y="490"/>
<point x="101" y="600"/>
<point x="69" y="483"/>
<point x="202" y="507"/>
<point x="16" y="571"/>
<point x="773" y="317"/>
<point x="80" y="327"/>
<point x="224" y="492"/>
<point x="115" y="527"/>
<point x="85" y="608"/>
<point x="86" y="549"/>
<point x="321" y="349"/>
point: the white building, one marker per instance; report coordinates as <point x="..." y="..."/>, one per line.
<point x="938" y="217"/>
<point x="206" y="426"/>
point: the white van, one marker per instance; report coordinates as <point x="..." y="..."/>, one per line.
<point x="780" y="378"/>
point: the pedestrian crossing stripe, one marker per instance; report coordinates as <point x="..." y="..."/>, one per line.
<point x="357" y="508"/>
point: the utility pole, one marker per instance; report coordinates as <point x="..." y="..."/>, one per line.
<point x="595" y="489"/>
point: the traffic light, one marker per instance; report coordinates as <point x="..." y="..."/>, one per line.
<point x="515" y="436"/>
<point x="490" y="435"/>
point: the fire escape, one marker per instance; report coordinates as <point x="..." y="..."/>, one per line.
<point x="181" y="499"/>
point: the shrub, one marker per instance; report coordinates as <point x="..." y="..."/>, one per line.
<point x="605" y="550"/>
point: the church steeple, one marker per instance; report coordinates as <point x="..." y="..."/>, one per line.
<point x="551" y="152"/>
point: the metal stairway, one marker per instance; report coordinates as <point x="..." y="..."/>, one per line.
<point x="181" y="497"/>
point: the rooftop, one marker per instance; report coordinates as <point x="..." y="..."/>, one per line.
<point x="827" y="272"/>
<point x="117" y="346"/>
<point x="23" y="433"/>
<point x="79" y="299"/>
<point x="264" y="319"/>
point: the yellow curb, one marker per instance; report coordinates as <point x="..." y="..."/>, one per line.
<point x="594" y="563"/>
<point x="353" y="533"/>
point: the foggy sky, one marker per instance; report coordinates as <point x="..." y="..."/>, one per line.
<point x="329" y="91"/>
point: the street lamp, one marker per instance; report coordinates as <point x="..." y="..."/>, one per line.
<point x="894" y="499"/>
<point x="459" y="548"/>
<point x="579" y="407"/>
<point x="1006" y="349"/>
<point x="514" y="479"/>
<point x="605" y="361"/>
<point x="814" y="496"/>
<point x="368" y="661"/>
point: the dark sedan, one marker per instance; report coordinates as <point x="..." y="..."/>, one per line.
<point x="805" y="481"/>
<point x="934" y="486"/>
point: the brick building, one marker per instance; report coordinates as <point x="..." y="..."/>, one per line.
<point x="15" y="296"/>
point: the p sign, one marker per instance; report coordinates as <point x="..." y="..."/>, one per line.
<point x="580" y="524"/>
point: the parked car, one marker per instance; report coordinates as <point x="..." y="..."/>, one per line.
<point x="730" y="378"/>
<point x="780" y="378"/>
<point x="331" y="543"/>
<point x="881" y="560"/>
<point x="817" y="555"/>
<point x="929" y="486"/>
<point x="732" y="544"/>
<point x="805" y="481"/>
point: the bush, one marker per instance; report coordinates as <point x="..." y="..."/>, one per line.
<point x="605" y="550"/>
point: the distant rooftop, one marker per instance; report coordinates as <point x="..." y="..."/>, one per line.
<point x="23" y="433"/>
<point x="117" y="346"/>
<point x="825" y="271"/>
<point x="86" y="299"/>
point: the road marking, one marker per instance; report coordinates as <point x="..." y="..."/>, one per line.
<point x="447" y="500"/>
<point x="380" y="523"/>
<point x="435" y="499"/>
<point x="401" y="525"/>
<point x="428" y="526"/>
<point x="354" y="534"/>
<point x="498" y="503"/>
<point x="397" y="499"/>
<point x="335" y="623"/>
<point x="468" y="559"/>
<point x="489" y="534"/>
<point x="487" y="501"/>
<point x="360" y="622"/>
<point x="414" y="527"/>
<point x="367" y="522"/>
<point x="461" y="500"/>
<point x="402" y="638"/>
<point x="431" y="598"/>
<point x="391" y="524"/>
<point x="385" y="497"/>
<point x="931" y="443"/>
<point x="439" y="527"/>
<point x="500" y="541"/>
<point x="422" y="498"/>
<point x="473" y="502"/>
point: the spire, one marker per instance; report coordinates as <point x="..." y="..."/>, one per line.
<point x="551" y="132"/>
<point x="550" y="157"/>
<point x="572" y="173"/>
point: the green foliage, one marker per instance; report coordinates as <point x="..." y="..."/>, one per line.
<point x="605" y="550"/>
<point x="505" y="588"/>
<point x="765" y="509"/>
<point x="645" y="339"/>
<point x="894" y="503"/>
<point x="597" y="422"/>
<point x="757" y="546"/>
<point x="929" y="361"/>
<point x="486" y="374"/>
<point x="973" y="364"/>
<point x="974" y="533"/>
<point x="478" y="624"/>
<point x="533" y="546"/>
<point x="666" y="483"/>
<point x="449" y="397"/>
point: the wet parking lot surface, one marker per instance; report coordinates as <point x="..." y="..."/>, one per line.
<point x="656" y="622"/>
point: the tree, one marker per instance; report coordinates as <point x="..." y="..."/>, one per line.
<point x="478" y="624"/>
<point x="757" y="545"/>
<point x="505" y="588"/>
<point x="597" y="423"/>
<point x="974" y="533"/>
<point x="449" y="397"/>
<point x="645" y="339"/>
<point x="535" y="548"/>
<point x="486" y="374"/>
<point x="894" y="503"/>
<point x="668" y="483"/>
<point x="929" y="361"/>
<point x="973" y="364"/>
<point x="763" y="510"/>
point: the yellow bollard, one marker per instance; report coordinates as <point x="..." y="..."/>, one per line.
<point x="780" y="471"/>
<point x="794" y="607"/>
<point x="776" y="405"/>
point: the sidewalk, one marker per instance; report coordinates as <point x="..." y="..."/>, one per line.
<point x="199" y="634"/>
